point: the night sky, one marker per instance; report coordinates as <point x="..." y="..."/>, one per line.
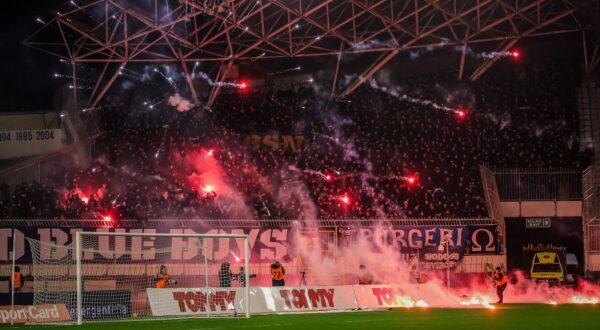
<point x="26" y="82"/>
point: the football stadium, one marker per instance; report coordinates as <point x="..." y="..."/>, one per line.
<point x="300" y="164"/>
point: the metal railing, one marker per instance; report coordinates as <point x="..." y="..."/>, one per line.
<point x="592" y="236"/>
<point x="237" y="223"/>
<point x="492" y="200"/>
<point x="539" y="184"/>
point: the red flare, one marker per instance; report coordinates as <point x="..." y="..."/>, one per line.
<point x="345" y="199"/>
<point x="515" y="54"/>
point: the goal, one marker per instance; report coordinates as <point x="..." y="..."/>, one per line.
<point x="113" y="276"/>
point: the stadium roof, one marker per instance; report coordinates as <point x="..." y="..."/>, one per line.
<point x="183" y="32"/>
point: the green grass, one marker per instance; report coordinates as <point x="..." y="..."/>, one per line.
<point x="506" y="317"/>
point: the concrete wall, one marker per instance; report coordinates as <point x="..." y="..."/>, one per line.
<point x="542" y="209"/>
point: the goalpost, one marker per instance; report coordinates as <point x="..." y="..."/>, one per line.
<point x="110" y="276"/>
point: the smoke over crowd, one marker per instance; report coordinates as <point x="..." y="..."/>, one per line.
<point x="295" y="153"/>
<point x="393" y="149"/>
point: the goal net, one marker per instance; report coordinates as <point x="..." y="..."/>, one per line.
<point x="110" y="276"/>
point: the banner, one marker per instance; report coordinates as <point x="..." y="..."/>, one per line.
<point x="382" y="296"/>
<point x="34" y="314"/>
<point x="266" y="244"/>
<point x="23" y="143"/>
<point x="228" y="301"/>
<point x="99" y="305"/>
<point x="426" y="242"/>
<point x="193" y="301"/>
<point x="96" y="305"/>
<point x="301" y="298"/>
<point x="483" y="239"/>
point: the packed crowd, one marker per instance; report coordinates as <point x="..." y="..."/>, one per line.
<point x="353" y="159"/>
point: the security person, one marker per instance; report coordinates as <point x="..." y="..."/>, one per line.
<point x="163" y="279"/>
<point x="364" y="277"/>
<point x="242" y="277"/>
<point x="277" y="274"/>
<point x="500" y="281"/>
<point x="226" y="276"/>
<point x="16" y="279"/>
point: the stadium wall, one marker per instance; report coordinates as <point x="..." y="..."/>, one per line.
<point x="542" y="209"/>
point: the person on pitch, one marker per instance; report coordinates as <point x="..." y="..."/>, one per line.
<point x="163" y="279"/>
<point x="277" y="274"/>
<point x="500" y="281"/>
<point x="364" y="277"/>
<point x="16" y="279"/>
<point x="242" y="277"/>
<point x="226" y="276"/>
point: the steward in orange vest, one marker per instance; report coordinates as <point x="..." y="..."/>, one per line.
<point x="163" y="279"/>
<point x="500" y="281"/>
<point x="277" y="274"/>
<point x="16" y="279"/>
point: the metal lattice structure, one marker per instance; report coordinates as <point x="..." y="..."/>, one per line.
<point x="119" y="32"/>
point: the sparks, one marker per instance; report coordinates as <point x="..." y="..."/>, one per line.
<point x="421" y="303"/>
<point x="584" y="300"/>
<point x="237" y="259"/>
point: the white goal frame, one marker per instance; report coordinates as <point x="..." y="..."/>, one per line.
<point x="78" y="259"/>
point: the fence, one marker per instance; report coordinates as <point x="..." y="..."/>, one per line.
<point x="539" y="184"/>
<point x="592" y="232"/>
<point x="237" y="223"/>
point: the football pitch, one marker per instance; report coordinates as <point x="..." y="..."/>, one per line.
<point x="505" y="317"/>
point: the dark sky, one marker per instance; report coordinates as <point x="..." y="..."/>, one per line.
<point x="26" y="82"/>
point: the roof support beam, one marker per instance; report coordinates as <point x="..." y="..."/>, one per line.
<point x="507" y="46"/>
<point x="385" y="59"/>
